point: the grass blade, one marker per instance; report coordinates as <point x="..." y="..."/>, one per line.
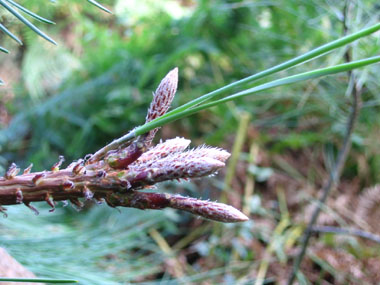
<point x="26" y="11"/>
<point x="5" y="30"/>
<point x="283" y="66"/>
<point x="275" y="83"/>
<point x="37" y="280"/>
<point x="297" y="78"/>
<point x="4" y="50"/>
<point x="93" y="2"/>
<point x="26" y="22"/>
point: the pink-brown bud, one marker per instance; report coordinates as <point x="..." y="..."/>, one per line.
<point x="163" y="96"/>
<point x="162" y="99"/>
<point x="207" y="209"/>
<point x="163" y="149"/>
<point x="194" y="163"/>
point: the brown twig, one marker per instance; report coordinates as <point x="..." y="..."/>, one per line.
<point x="117" y="172"/>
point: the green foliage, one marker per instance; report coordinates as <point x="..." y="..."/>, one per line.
<point x="96" y="246"/>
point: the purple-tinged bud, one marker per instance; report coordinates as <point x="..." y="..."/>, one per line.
<point x="28" y="169"/>
<point x="57" y="165"/>
<point x="12" y="171"/>
<point x="140" y="200"/>
<point x="194" y="163"/>
<point x="163" y="149"/>
<point x="38" y="178"/>
<point x="209" y="210"/>
<point x="162" y="100"/>
<point x="163" y="96"/>
<point x="213" y="152"/>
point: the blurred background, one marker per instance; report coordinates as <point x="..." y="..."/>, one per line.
<point x="97" y="84"/>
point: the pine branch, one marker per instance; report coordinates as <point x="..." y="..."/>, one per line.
<point x="116" y="174"/>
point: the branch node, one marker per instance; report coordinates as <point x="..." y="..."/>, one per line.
<point x="34" y="210"/>
<point x="57" y="165"/>
<point x="68" y="185"/>
<point x="28" y="169"/>
<point x="38" y="178"/>
<point x="121" y="159"/>
<point x="101" y="174"/>
<point x="12" y="171"/>
<point x="87" y="157"/>
<point x="19" y="196"/>
<point x="79" y="168"/>
<point x="49" y="200"/>
<point x="87" y="193"/>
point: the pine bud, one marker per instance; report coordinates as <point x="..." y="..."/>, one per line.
<point x="162" y="99"/>
<point x="163" y="96"/>
<point x="207" y="209"/>
<point x="162" y="150"/>
<point x="190" y="164"/>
